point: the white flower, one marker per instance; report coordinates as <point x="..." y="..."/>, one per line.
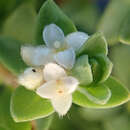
<point x="58" y="88"/>
<point x="31" y="78"/>
<point x="58" y="48"/>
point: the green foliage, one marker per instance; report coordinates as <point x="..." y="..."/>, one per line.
<point x="10" y="55"/>
<point x="119" y="95"/>
<point x="96" y="44"/>
<point x="50" y="13"/>
<point x="101" y="67"/>
<point x="27" y="105"/>
<point x="6" y="121"/>
<point x="82" y="70"/>
<point x="115" y="22"/>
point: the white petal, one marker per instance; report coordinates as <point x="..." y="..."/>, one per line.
<point x="62" y="104"/>
<point x="51" y="34"/>
<point x="31" y="78"/>
<point x="36" y="56"/>
<point x="66" y="58"/>
<point x="48" y="90"/>
<point x="76" y="39"/>
<point x="53" y="72"/>
<point x="43" y="55"/>
<point x="27" y="53"/>
<point x="70" y="84"/>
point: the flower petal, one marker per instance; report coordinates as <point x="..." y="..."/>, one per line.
<point x="51" y="34"/>
<point x="70" y="84"/>
<point x="53" y="71"/>
<point x="36" y="56"/>
<point x="62" y="104"/>
<point x="43" y="55"/>
<point x="48" y="90"/>
<point x="31" y="78"/>
<point x="76" y="39"/>
<point x="66" y="58"/>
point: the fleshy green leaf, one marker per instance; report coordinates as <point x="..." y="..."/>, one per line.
<point x="82" y="70"/>
<point x="119" y="95"/>
<point x="101" y="67"/>
<point x="99" y="94"/>
<point x="10" y="55"/>
<point x="6" y="121"/>
<point x="112" y="22"/>
<point x="27" y="105"/>
<point x="51" y="13"/>
<point x="96" y="44"/>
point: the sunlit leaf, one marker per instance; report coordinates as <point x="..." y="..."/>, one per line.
<point x="119" y="95"/>
<point x="27" y="105"/>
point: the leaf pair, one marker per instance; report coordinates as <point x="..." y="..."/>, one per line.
<point x="92" y="63"/>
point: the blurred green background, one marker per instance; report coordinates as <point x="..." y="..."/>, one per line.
<point x="17" y="21"/>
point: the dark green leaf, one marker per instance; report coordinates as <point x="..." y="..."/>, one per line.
<point x="119" y="95"/>
<point x="82" y="70"/>
<point x="10" y="55"/>
<point x="6" y="121"/>
<point x="96" y="44"/>
<point x="27" y="105"/>
<point x="51" y="13"/>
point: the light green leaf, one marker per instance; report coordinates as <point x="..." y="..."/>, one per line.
<point x="6" y="121"/>
<point x="26" y="105"/>
<point x="51" y="13"/>
<point x="82" y="70"/>
<point x="101" y="67"/>
<point x="44" y="123"/>
<point x="10" y="55"/>
<point x="99" y="94"/>
<point x="112" y="22"/>
<point x="119" y="95"/>
<point x="96" y="44"/>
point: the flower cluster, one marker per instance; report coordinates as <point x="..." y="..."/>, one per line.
<point x="47" y="74"/>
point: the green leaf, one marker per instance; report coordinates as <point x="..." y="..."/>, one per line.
<point x="119" y="95"/>
<point x="6" y="121"/>
<point x="51" y="13"/>
<point x="26" y="105"/>
<point x="10" y="55"/>
<point x="96" y="44"/>
<point x="113" y="19"/>
<point x="99" y="94"/>
<point x="82" y="70"/>
<point x="101" y="67"/>
<point x="44" y="123"/>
